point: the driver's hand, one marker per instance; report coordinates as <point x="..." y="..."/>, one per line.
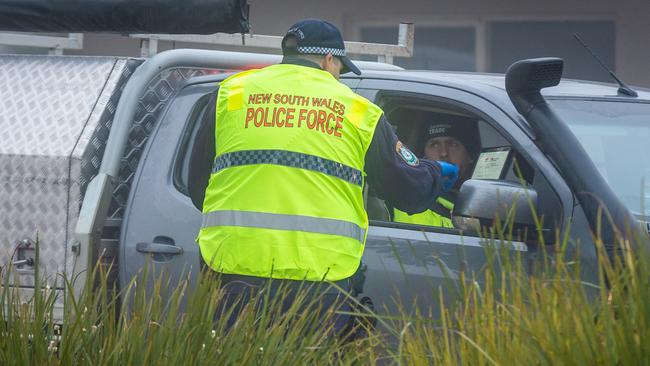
<point x="449" y="174"/>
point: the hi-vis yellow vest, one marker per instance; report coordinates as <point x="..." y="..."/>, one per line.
<point x="285" y="195"/>
<point x="428" y="217"/>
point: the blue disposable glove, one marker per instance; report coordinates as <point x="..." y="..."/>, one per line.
<point x="449" y="175"/>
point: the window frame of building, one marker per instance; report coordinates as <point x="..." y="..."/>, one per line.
<point x="354" y="24"/>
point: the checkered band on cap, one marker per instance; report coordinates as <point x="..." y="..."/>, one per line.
<point x="321" y="51"/>
<point x="290" y="159"/>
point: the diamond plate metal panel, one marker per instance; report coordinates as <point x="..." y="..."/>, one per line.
<point x="152" y="105"/>
<point x="46" y="101"/>
<point x="89" y="150"/>
<point x="55" y="118"/>
<point x="34" y="191"/>
<point x="54" y="122"/>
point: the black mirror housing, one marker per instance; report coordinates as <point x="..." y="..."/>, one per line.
<point x="487" y="199"/>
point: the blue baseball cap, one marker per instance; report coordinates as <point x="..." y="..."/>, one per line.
<point x="318" y="37"/>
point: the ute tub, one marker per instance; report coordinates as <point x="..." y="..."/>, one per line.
<point x="55" y="116"/>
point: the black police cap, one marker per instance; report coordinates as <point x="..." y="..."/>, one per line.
<point x="318" y="37"/>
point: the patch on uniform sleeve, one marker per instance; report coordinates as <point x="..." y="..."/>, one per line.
<point x="406" y="154"/>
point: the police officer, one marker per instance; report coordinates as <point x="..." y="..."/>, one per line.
<point x="455" y="141"/>
<point x="294" y="148"/>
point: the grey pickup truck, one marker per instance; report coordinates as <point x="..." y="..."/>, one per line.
<point x="95" y="157"/>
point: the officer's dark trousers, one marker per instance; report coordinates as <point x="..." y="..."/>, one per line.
<point x="323" y="296"/>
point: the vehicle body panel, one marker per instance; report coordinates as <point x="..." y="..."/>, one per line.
<point x="158" y="215"/>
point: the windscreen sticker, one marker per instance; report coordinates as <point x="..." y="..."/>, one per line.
<point x="406" y="154"/>
<point x="490" y="164"/>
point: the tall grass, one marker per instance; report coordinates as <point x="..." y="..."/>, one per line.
<point x="512" y="315"/>
<point x="549" y="318"/>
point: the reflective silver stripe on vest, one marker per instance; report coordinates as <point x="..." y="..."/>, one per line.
<point x="290" y="159"/>
<point x="266" y="220"/>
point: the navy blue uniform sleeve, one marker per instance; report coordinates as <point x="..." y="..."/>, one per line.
<point x="407" y="187"/>
<point x="202" y="156"/>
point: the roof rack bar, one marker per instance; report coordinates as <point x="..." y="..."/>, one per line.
<point x="148" y="47"/>
<point x="55" y="44"/>
<point x="384" y="52"/>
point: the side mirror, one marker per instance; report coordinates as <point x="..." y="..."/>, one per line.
<point x="480" y="202"/>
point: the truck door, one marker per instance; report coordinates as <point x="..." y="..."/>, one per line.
<point x="160" y="222"/>
<point x="407" y="262"/>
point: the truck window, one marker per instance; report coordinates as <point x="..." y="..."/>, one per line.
<point x="434" y="130"/>
<point x="187" y="160"/>
<point x="615" y="134"/>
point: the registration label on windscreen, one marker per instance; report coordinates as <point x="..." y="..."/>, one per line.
<point x="490" y="164"/>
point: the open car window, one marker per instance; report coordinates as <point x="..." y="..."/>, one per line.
<point x="415" y="121"/>
<point x="188" y="151"/>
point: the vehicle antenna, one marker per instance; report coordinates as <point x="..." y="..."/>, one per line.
<point x="622" y="87"/>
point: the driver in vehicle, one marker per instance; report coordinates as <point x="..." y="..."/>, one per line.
<point x="455" y="141"/>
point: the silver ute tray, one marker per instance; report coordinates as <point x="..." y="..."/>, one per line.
<point x="55" y="115"/>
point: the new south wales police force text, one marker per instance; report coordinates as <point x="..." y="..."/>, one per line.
<point x="285" y="115"/>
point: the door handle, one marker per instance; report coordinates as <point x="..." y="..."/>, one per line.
<point x="156" y="248"/>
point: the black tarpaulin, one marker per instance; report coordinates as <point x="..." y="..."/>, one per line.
<point x="125" y="16"/>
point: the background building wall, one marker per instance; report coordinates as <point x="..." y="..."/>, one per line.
<point x="631" y="56"/>
<point x="501" y="31"/>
